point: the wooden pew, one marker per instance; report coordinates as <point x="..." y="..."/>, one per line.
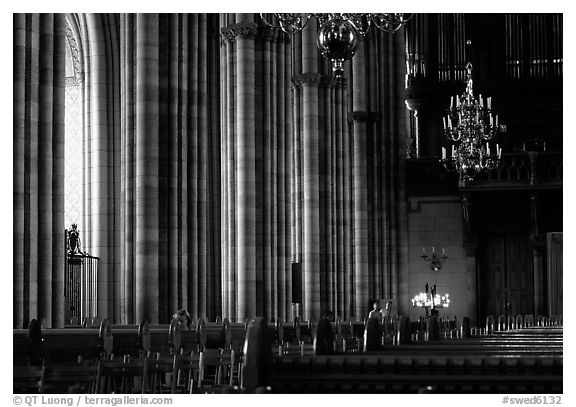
<point x="165" y="339"/>
<point x="27" y="379"/>
<point x="457" y="371"/>
<point x="66" y="345"/>
<point x="27" y="345"/>
<point x="69" y="378"/>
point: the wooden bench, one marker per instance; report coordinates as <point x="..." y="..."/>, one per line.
<point x="27" y="379"/>
<point x="64" y="345"/>
<point x="67" y="345"/>
<point x="468" y="369"/>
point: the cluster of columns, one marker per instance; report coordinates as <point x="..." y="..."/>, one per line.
<point x="218" y="151"/>
<point x="170" y="176"/>
<point x="349" y="167"/>
<point x="38" y="169"/>
<point x="255" y="171"/>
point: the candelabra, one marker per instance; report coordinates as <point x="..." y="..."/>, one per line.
<point x="471" y="126"/>
<point x="435" y="261"/>
<point x="338" y="32"/>
<point x="430" y="300"/>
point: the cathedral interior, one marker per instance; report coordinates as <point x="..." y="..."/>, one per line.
<point x="225" y="165"/>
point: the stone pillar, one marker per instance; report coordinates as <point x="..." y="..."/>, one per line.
<point x="127" y="208"/>
<point x="146" y="169"/>
<point x="102" y="163"/>
<point x="246" y="170"/>
<point x="228" y="159"/>
<point x="256" y="147"/>
<point x="310" y="80"/>
<point x="360" y="147"/>
<point x="38" y="160"/>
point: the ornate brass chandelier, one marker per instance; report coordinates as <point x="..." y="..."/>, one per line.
<point x="338" y="32"/>
<point x="471" y="126"/>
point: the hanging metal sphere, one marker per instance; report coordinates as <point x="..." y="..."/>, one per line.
<point x="337" y="41"/>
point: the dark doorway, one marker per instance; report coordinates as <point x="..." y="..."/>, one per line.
<point x="506" y="276"/>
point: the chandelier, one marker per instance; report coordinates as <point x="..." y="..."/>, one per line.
<point x="471" y="126"/>
<point x="435" y="261"/>
<point x="338" y="32"/>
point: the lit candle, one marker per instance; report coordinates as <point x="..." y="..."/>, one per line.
<point x="444" y="121"/>
<point x="423" y="250"/>
<point x="451" y="102"/>
<point x="496" y="120"/>
<point x="487" y="148"/>
<point x="443" y="252"/>
<point x="433" y="250"/>
<point x="443" y="153"/>
<point x="481" y="103"/>
<point x="453" y="150"/>
<point x="489" y="102"/>
<point x="491" y="119"/>
<point x="449" y="122"/>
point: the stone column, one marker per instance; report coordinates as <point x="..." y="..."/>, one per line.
<point x="146" y="169"/>
<point x="246" y="168"/>
<point x="102" y="163"/>
<point x="310" y="80"/>
<point x="38" y="159"/>
<point x="360" y="118"/>
<point x="127" y="208"/>
<point x="228" y="159"/>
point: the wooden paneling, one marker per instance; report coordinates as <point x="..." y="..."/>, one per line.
<point x="506" y="276"/>
<point x="519" y="276"/>
<point x="555" y="273"/>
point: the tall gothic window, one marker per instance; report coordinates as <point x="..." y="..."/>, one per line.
<point x="73" y="137"/>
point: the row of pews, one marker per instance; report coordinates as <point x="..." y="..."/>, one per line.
<point x="523" y="357"/>
<point x="519" y="355"/>
<point x="144" y="358"/>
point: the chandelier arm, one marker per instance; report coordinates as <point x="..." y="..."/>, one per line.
<point x="266" y="22"/>
<point x="389" y="22"/>
<point x="453" y="135"/>
<point x="469" y="81"/>
<point x="300" y="28"/>
<point x="288" y="23"/>
<point x="357" y="19"/>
